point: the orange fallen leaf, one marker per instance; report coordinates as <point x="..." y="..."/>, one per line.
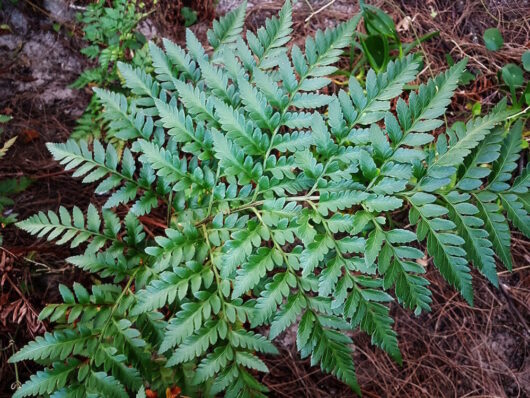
<point x="173" y="392"/>
<point x="150" y="394"/>
<point x="29" y="135"/>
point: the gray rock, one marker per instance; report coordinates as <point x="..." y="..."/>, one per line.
<point x="17" y="22"/>
<point x="60" y="10"/>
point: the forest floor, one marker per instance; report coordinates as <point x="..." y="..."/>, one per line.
<point x="454" y="351"/>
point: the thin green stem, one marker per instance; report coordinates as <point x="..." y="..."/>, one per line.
<point x="210" y="204"/>
<point x="218" y="279"/>
<point x="252" y="204"/>
<point x="289" y="267"/>
<point x="114" y="309"/>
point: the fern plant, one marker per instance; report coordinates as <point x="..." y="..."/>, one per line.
<point x="245" y="199"/>
<point x="112" y="35"/>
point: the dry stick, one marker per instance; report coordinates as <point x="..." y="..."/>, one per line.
<point x="309" y="5"/>
<point x="319" y="10"/>
<point x="69" y="25"/>
<point x="488" y="11"/>
<point x="17" y="384"/>
<point x="513" y="270"/>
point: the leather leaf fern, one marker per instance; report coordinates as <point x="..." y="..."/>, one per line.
<point x="244" y="199"/>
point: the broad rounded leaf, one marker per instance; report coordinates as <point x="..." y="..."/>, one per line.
<point x="493" y="39"/>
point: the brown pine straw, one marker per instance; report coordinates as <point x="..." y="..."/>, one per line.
<point x="454" y="351"/>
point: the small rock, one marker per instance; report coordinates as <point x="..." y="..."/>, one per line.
<point x="17" y="22"/>
<point x="59" y="10"/>
<point x="147" y="28"/>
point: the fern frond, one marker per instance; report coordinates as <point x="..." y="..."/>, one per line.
<point x="469" y="226"/>
<point x="252" y="341"/>
<point x="102" y="164"/>
<point x="516" y="212"/>
<point x="123" y="123"/>
<point x="189" y="319"/>
<point x="327" y="347"/>
<point x="428" y="103"/>
<point x="173" y="248"/>
<point x="103" y="384"/>
<point x="379" y="90"/>
<point x="462" y="139"/>
<point x="197" y="344"/>
<point x="227" y="28"/>
<point x="442" y="244"/>
<point x="172" y="286"/>
<point x="234" y="161"/>
<point x="180" y="60"/>
<point x="364" y="308"/>
<point x="394" y="262"/>
<point x="56" y="346"/>
<point x="115" y="363"/>
<point x="485" y="153"/>
<point x="213" y="363"/>
<point x="270" y="39"/>
<point x="273" y="295"/>
<point x="507" y="161"/>
<point x="73" y="228"/>
<point x="140" y="84"/>
<point x="49" y="380"/>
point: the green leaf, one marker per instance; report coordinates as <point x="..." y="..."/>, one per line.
<point x="252" y="341"/>
<point x="462" y="139"/>
<point x="255" y="269"/>
<point x="227" y="28"/>
<point x="273" y="295"/>
<point x="478" y="247"/>
<point x="373" y="246"/>
<point x="76" y="232"/>
<point x="516" y="212"/>
<point x="189" y="319"/>
<point x="314" y="253"/>
<point x="444" y="246"/>
<point x="329" y="348"/>
<point x="378" y="22"/>
<point x="486" y="152"/>
<point x="525" y="59"/>
<point x="107" y="385"/>
<point x="496" y="225"/>
<point x="493" y="39"/>
<point x="213" y="363"/>
<point x="172" y="286"/>
<point x="251" y="196"/>
<point x="287" y="315"/>
<point x="234" y="161"/>
<point x="57" y="346"/>
<point x="507" y="161"/>
<point x="269" y="42"/>
<point x="365" y="311"/>
<point x="49" y="380"/>
<point x="197" y="344"/>
<point x="512" y="76"/>
<point x="375" y="48"/>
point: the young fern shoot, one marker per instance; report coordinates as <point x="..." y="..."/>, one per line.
<point x="279" y="202"/>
